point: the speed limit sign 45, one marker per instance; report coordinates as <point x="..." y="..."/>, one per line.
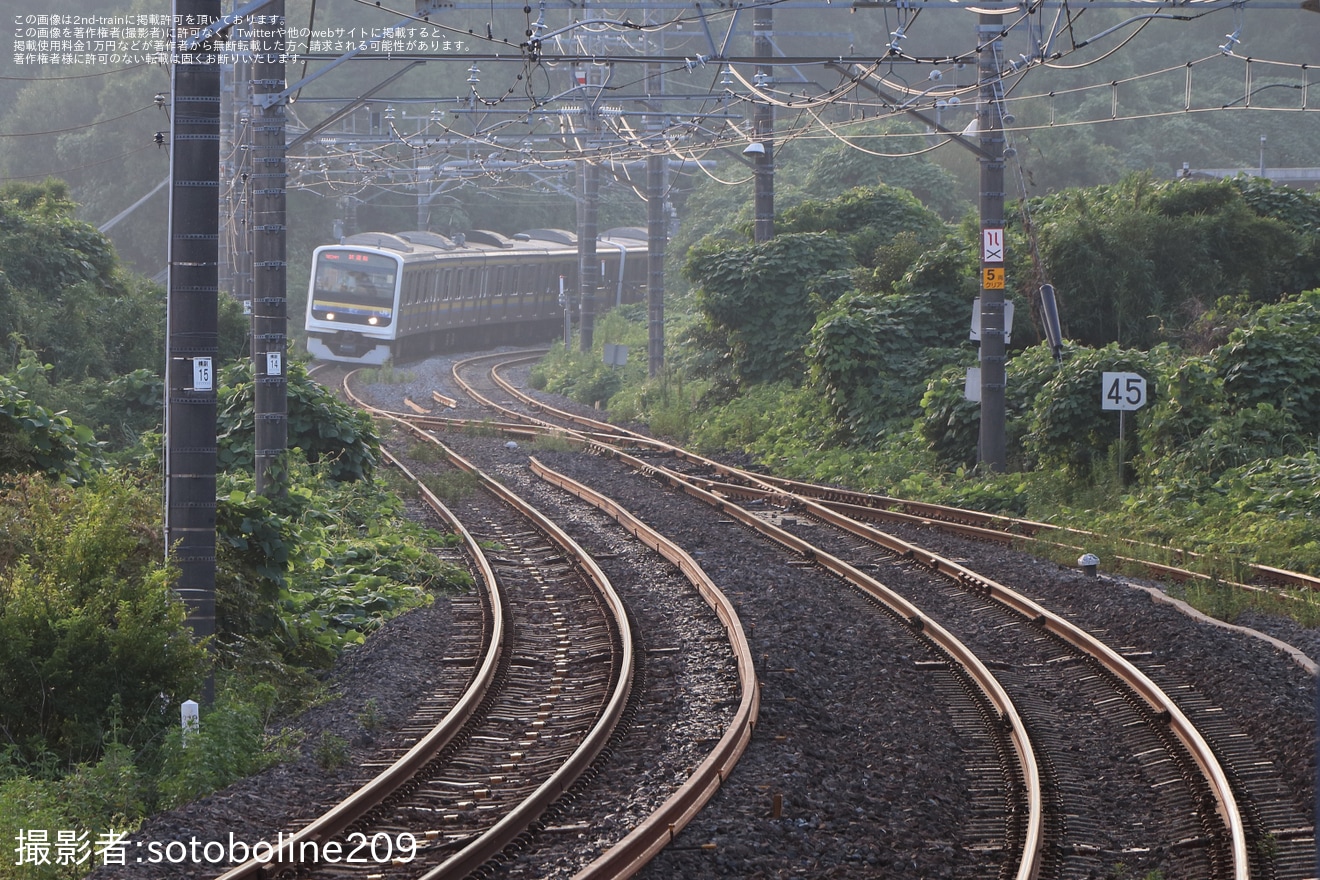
<point x="1122" y="391"/>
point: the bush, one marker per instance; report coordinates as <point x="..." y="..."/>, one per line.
<point x="35" y="440"/>
<point x="229" y="744"/>
<point x="91" y="631"/>
<point x="764" y="298"/>
<point x="323" y="427"/>
<point x="1275" y="360"/>
<point x="1068" y="428"/>
<point x="312" y="572"/>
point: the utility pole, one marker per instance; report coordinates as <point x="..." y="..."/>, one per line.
<point x="764" y="125"/>
<point x="269" y="266"/>
<point x="657" y="232"/>
<point x="588" y="203"/>
<point x="191" y="313"/>
<point x="591" y="78"/>
<point x="990" y="129"/>
<point x="235" y="243"/>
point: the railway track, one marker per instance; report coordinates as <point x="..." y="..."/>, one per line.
<point x="543" y="700"/>
<point x="874" y="752"/>
<point x="623" y="856"/>
<point x="1037" y="536"/>
<point x="553" y="686"/>
<point x="1013" y="808"/>
<point x="1212" y="822"/>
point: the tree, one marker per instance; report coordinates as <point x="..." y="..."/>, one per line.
<point x="63" y="294"/>
<point x="765" y="298"/>
<point x="839" y="167"/>
<point x="1135" y="262"/>
<point x="873" y="349"/>
<point x="869" y="217"/>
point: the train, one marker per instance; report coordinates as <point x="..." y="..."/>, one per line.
<point x="380" y="296"/>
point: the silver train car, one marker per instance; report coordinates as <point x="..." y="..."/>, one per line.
<point x="379" y="296"/>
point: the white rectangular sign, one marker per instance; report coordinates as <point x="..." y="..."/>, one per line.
<point x="274" y="364"/>
<point x="203" y="375"/>
<point x="1122" y="391"/>
<point x="616" y="355"/>
<point x="992" y="245"/>
<point x="975" y="334"/>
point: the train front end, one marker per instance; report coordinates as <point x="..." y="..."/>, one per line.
<point x="352" y="304"/>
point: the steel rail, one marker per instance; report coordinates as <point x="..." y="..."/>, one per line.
<point x="1031" y="530"/>
<point x="629" y="855"/>
<point x="954" y="519"/>
<point x="340" y="817"/>
<point x="519" y="819"/>
<point x="490" y="842"/>
<point x="993" y="692"/>
<point x="980" y="675"/>
<point x="1160" y="704"/>
<point x="1005" y="537"/>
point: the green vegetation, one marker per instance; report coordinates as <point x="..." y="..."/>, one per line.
<point x="95" y="656"/>
<point x="834" y="352"/>
<point x="452" y="486"/>
<point x="330" y="751"/>
<point x="231" y="743"/>
<point x="841" y="363"/>
<point x="329" y="432"/>
<point x="90" y="635"/>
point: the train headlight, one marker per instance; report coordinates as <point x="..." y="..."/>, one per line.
<point x="373" y="320"/>
<point x="329" y="316"/>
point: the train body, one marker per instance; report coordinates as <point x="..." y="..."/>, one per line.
<point x="380" y="296"/>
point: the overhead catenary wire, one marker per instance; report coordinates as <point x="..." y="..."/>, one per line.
<point x="73" y="169"/>
<point x="111" y="72"/>
<point x="19" y="134"/>
<point x="381" y="159"/>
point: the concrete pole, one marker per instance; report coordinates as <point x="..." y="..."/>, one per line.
<point x="989" y="124"/>
<point x="588" y="200"/>
<point x="764" y="124"/>
<point x="192" y="316"/>
<point x="657" y="233"/>
<point x="270" y="267"/>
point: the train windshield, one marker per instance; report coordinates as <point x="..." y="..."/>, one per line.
<point x="354" y="287"/>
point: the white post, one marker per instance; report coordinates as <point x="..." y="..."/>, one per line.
<point x="568" y="315"/>
<point x="191" y="719"/>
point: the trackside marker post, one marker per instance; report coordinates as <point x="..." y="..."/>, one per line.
<point x="190" y="719"/>
<point x="1125" y="392"/>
